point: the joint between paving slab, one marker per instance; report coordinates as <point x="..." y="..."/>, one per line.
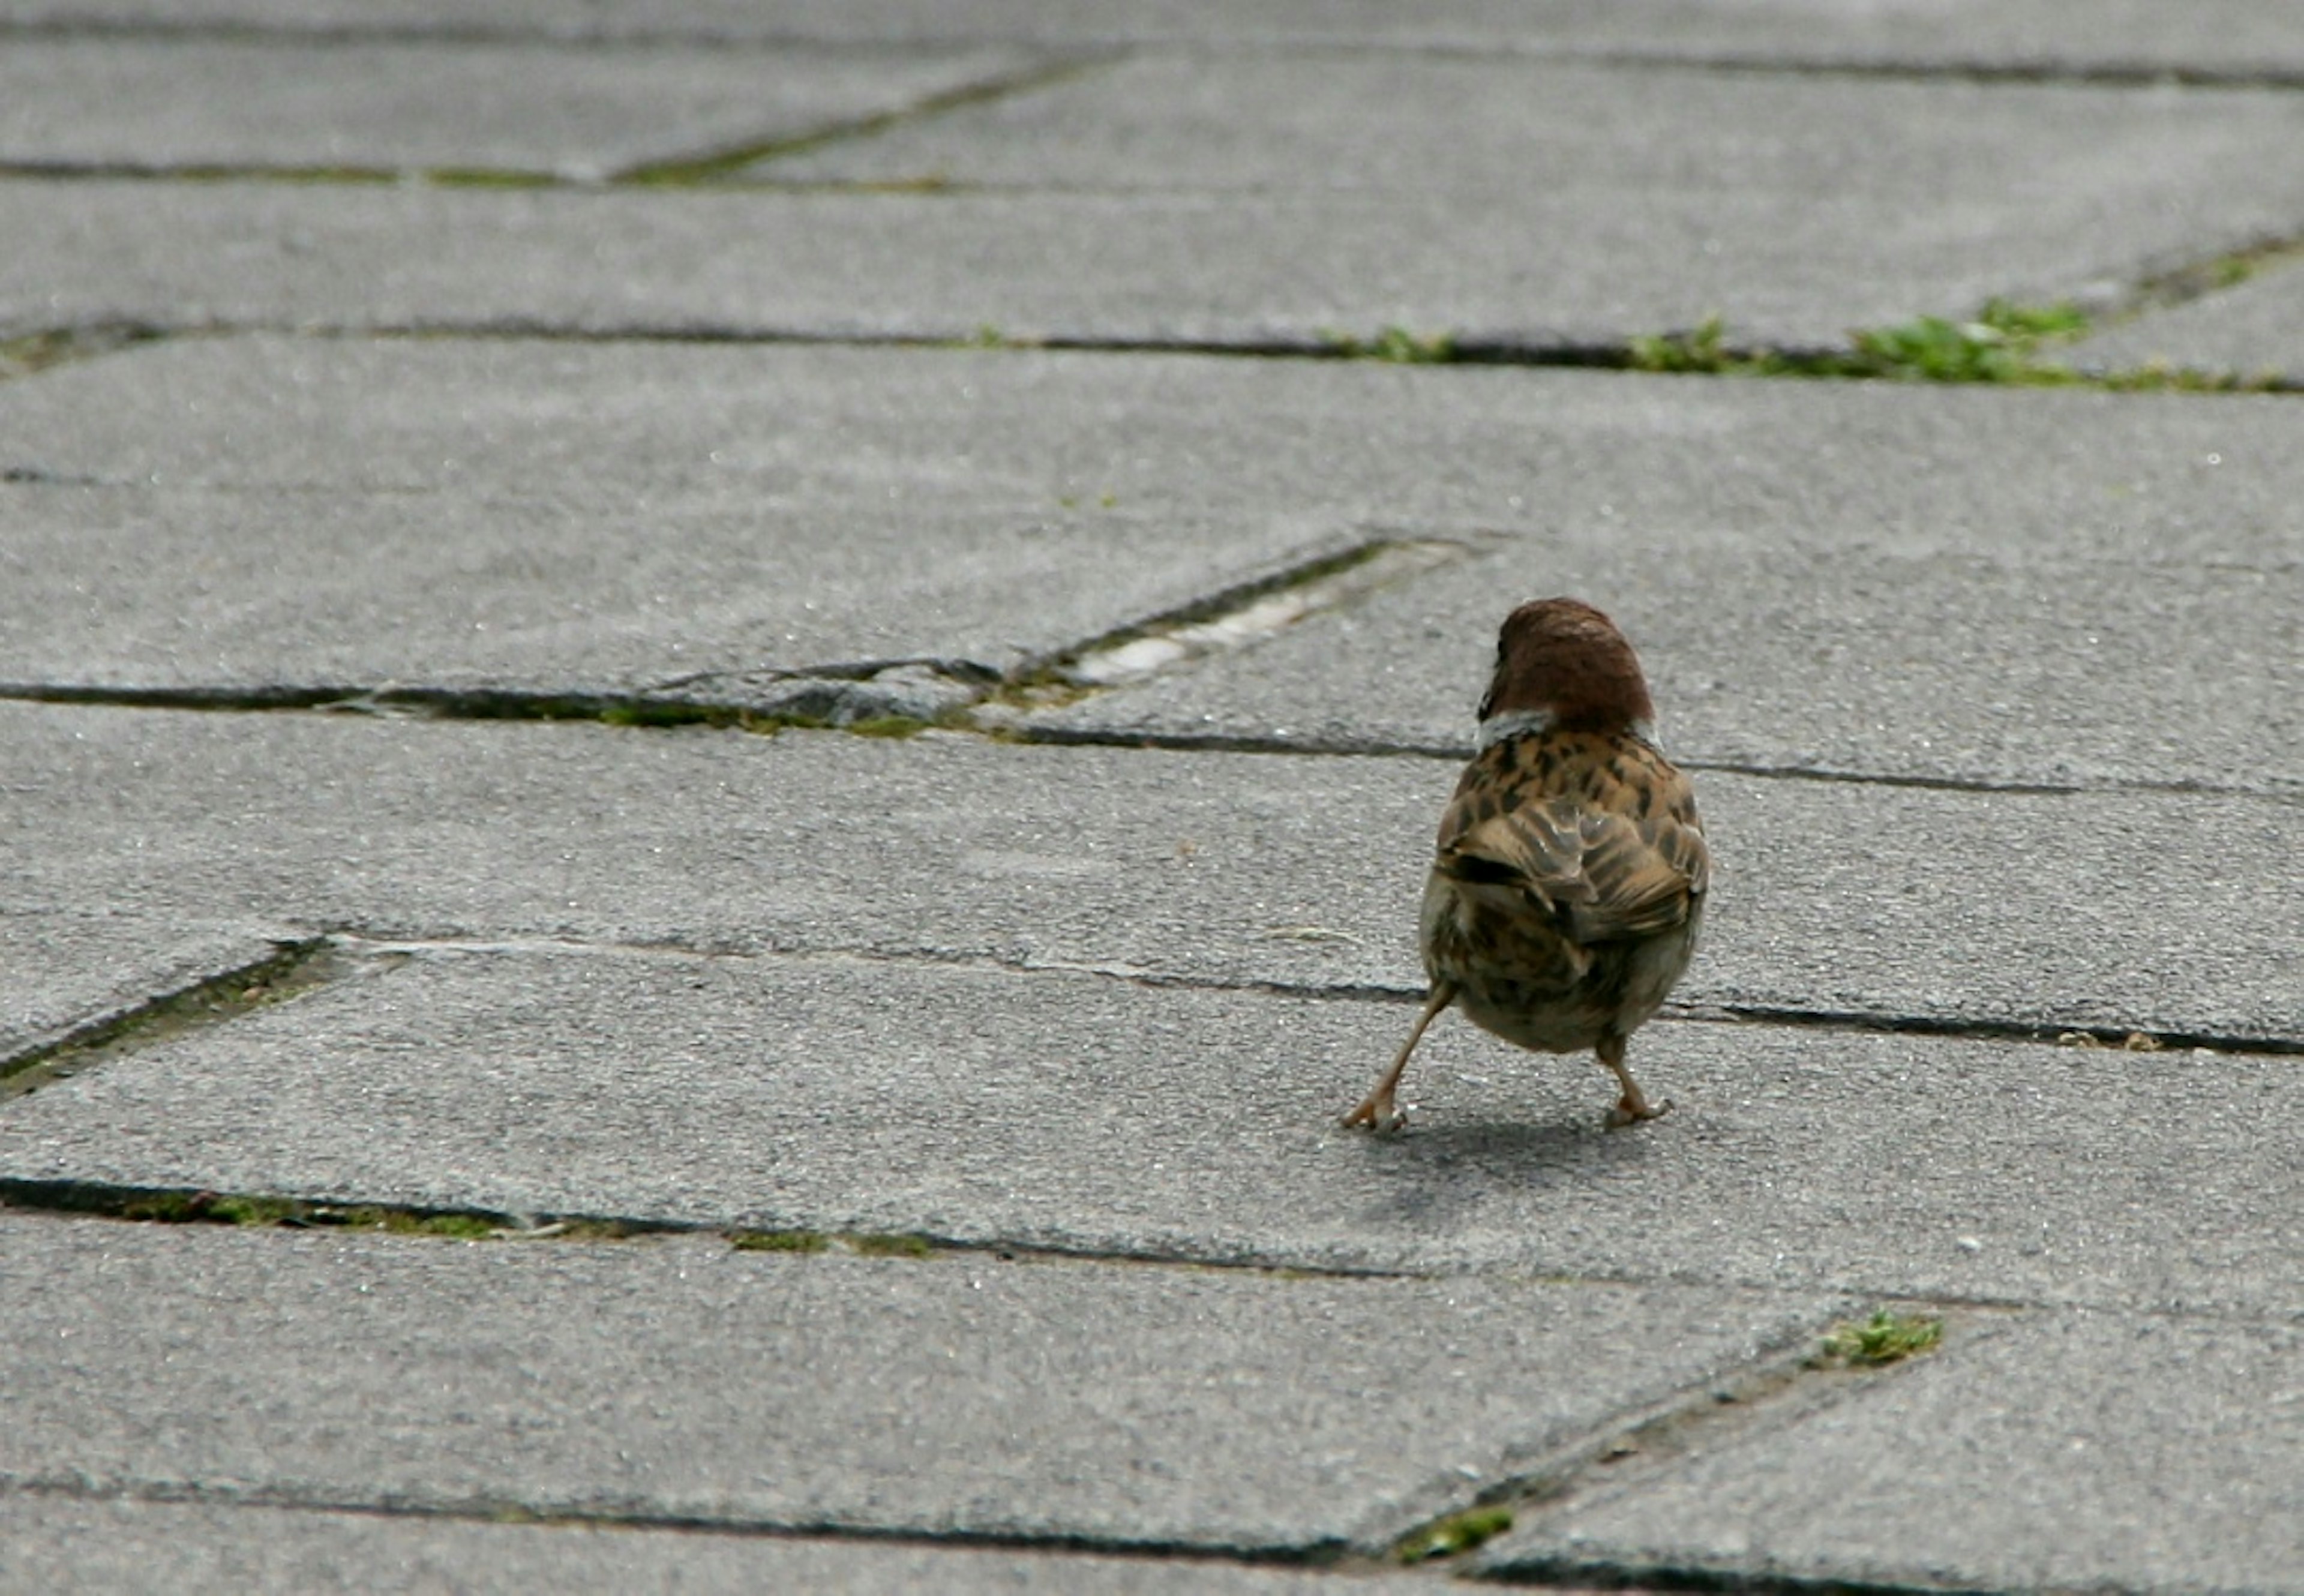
<point x="1254" y="742"/>
<point x="1932" y="349"/>
<point x="1232" y="617"/>
<point x="717" y="165"/>
<point x="2037" y="72"/>
<point x="2115" y="1039"/>
<point x="131" y="1204"/>
<point x="1813" y="1369"/>
<point x="402" y="1506"/>
<point x="27" y="354"/>
<point x="290" y="968"/>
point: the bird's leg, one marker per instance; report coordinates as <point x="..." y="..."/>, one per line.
<point x="1375" y="1110"/>
<point x="1633" y="1107"/>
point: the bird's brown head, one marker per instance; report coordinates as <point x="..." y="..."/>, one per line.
<point x="1562" y="659"/>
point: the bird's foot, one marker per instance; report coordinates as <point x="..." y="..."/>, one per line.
<point x="1377" y="1115"/>
<point x="1633" y="1107"/>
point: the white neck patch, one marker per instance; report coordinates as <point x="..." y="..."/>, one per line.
<point x="1512" y="723"/>
<point x="1516" y="723"/>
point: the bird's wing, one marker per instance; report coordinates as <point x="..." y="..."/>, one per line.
<point x="1604" y="875"/>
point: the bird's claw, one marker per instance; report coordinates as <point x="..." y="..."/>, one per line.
<point x="1377" y="1118"/>
<point x="1631" y="1110"/>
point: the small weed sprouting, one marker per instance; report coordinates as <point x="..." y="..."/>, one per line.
<point x="1995" y="347"/>
<point x="1999" y="345"/>
<point x="395" y="1221"/>
<point x="207" y="1208"/>
<point x="888" y="1246"/>
<point x="1395" y="344"/>
<point x="779" y="1241"/>
<point x="1455" y="1534"/>
<point x="1700" y="352"/>
<point x="1885" y="1337"/>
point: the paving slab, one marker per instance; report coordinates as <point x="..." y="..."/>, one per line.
<point x="1086" y="1114"/>
<point x="2113" y="910"/>
<point x="2241" y="38"/>
<point x="1330" y="227"/>
<point x="548" y="517"/>
<point x="67" y="967"/>
<point x="2110" y="184"/>
<point x="2250" y="330"/>
<point x="68" y="1544"/>
<point x="723" y="599"/>
<point x="1298" y="267"/>
<point x="683" y="1380"/>
<point x="2133" y="537"/>
<point x="2007" y="668"/>
<point x="1301" y="268"/>
<point x="1633" y="229"/>
<point x="2066" y="1452"/>
<point x="128" y="102"/>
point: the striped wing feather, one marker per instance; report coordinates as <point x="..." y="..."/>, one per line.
<point x="1602" y="871"/>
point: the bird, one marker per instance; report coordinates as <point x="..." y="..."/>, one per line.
<point x="1571" y="871"/>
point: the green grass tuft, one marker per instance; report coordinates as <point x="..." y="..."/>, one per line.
<point x="1456" y="1534"/>
<point x="1885" y="1337"/>
<point x="888" y="1246"/>
<point x="1395" y="344"/>
<point x="779" y="1241"/>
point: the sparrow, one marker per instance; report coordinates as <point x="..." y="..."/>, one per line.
<point x="1571" y="870"/>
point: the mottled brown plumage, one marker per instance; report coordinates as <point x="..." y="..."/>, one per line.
<point x="1571" y="870"/>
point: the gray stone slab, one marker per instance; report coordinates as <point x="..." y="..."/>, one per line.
<point x="2244" y="38"/>
<point x="1299" y="268"/>
<point x="64" y="968"/>
<point x="1801" y="184"/>
<point x="1645" y="228"/>
<point x="685" y="1380"/>
<point x="2068" y="1452"/>
<point x="718" y="598"/>
<point x="2066" y="555"/>
<point x="115" y="102"/>
<point x="556" y="518"/>
<point x="2250" y="330"/>
<point x="1092" y="1115"/>
<point x="2117" y="909"/>
<point x="2011" y="667"/>
<point x="70" y="1544"/>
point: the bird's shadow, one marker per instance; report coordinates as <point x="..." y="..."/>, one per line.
<point x="1436" y="1174"/>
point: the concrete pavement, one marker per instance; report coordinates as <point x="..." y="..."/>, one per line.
<point x="678" y="912"/>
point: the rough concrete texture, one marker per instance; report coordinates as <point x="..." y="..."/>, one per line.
<point x="486" y="107"/>
<point x="1871" y="580"/>
<point x="2106" y="178"/>
<point x="73" y="1545"/>
<point x="64" y="968"/>
<point x="2022" y="667"/>
<point x="1101" y="1116"/>
<point x="1161" y="266"/>
<point x="686" y="1381"/>
<point x="716" y="384"/>
<point x="2109" y="910"/>
<point x="2248" y="331"/>
<point x="2242" y="39"/>
<point x="562" y="518"/>
<point x="1497" y="200"/>
<point x="2097" y="1427"/>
